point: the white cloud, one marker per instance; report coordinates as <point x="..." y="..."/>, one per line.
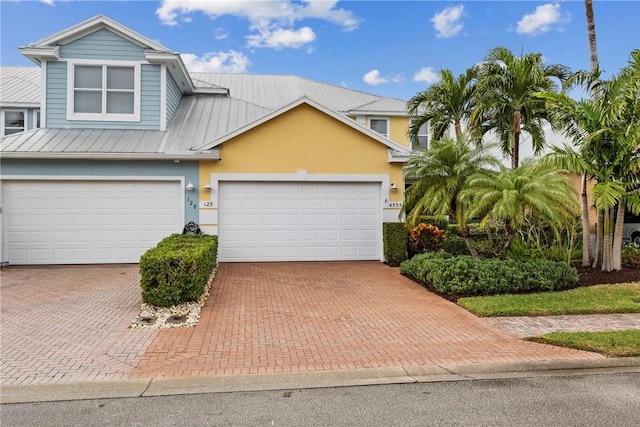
<point x="447" y="23"/>
<point x="426" y="75"/>
<point x="220" y="34"/>
<point x="217" y="62"/>
<point x="273" y="21"/>
<point x="541" y="20"/>
<point x="281" y="38"/>
<point x="373" y="78"/>
<point x="49" y="2"/>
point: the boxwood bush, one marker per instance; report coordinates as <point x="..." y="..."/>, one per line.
<point x="465" y="275"/>
<point x="394" y="241"/>
<point x="177" y="269"/>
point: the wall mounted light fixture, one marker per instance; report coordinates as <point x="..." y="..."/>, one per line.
<point x="394" y="187"/>
<point x="207" y="187"/>
<point x="190" y="187"/>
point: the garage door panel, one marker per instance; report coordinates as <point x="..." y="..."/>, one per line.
<point x="291" y="221"/>
<point x="69" y="222"/>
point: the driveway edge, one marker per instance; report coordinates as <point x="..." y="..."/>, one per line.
<point x="312" y="379"/>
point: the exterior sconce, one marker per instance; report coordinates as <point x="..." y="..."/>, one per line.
<point x="190" y="187"/>
<point x="207" y="187"/>
<point x="394" y="187"/>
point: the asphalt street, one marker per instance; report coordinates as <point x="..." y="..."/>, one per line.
<point x="580" y="400"/>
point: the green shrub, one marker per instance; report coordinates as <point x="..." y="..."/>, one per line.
<point x="394" y="240"/>
<point x="178" y="269"/>
<point x="454" y="244"/>
<point x="466" y="275"/>
<point x="631" y="255"/>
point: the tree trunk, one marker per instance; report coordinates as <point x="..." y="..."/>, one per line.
<point x="515" y="147"/>
<point x="607" y="241"/>
<point x="458" y="129"/>
<point x="597" y="257"/>
<point x="591" y="33"/>
<point x="586" y="232"/>
<point x="616" y="254"/>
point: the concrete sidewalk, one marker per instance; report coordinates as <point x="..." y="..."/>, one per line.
<point x="301" y="380"/>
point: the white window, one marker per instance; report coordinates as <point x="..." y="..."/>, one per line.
<point x="104" y="92"/>
<point x="13" y="121"/>
<point x="380" y="125"/>
<point x="423" y="140"/>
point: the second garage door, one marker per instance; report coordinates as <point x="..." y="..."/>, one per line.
<point x="289" y="221"/>
<point x="81" y="222"/>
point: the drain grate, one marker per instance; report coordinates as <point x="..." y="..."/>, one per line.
<point x="176" y="319"/>
<point x="145" y="320"/>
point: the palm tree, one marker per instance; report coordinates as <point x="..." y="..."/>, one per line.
<point x="443" y="104"/>
<point x="440" y="174"/>
<point x="606" y="130"/>
<point x="505" y="101"/>
<point x="511" y="195"/>
<point x="591" y="34"/>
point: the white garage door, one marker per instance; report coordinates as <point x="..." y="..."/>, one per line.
<point x="285" y="221"/>
<point x="86" y="222"/>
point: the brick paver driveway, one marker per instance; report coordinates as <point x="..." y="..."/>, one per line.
<point x="67" y="324"/>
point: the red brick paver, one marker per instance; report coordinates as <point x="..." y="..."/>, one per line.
<point x="284" y="317"/>
<point x="69" y="323"/>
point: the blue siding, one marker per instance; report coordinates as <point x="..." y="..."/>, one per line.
<point x="52" y="168"/>
<point x="103" y="45"/>
<point x="174" y="95"/>
<point x="57" y="100"/>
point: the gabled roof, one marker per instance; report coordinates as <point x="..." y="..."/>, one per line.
<point x="48" y="48"/>
<point x="20" y="87"/>
<point x="382" y="106"/>
<point x="395" y="149"/>
<point x="92" y="25"/>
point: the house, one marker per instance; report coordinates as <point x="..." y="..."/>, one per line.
<point x="110" y="144"/>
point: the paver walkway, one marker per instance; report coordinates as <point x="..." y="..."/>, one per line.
<point x="70" y="324"/>
<point x="521" y="327"/>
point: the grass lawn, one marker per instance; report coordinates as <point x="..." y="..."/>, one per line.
<point x="613" y="344"/>
<point x="620" y="298"/>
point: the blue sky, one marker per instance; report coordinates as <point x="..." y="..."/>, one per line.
<point x="390" y="48"/>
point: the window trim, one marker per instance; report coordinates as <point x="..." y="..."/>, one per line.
<point x="13" y="110"/>
<point x="104" y="116"/>
<point x="385" y="119"/>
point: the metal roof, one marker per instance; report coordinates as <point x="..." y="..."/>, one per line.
<point x="273" y="91"/>
<point x="201" y="119"/>
<point x="20" y="86"/>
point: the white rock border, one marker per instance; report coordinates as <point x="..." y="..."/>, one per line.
<point x="189" y="309"/>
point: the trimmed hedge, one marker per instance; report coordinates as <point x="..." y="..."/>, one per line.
<point x="178" y="269"/>
<point x="454" y="244"/>
<point x="394" y="240"/>
<point x="465" y="275"/>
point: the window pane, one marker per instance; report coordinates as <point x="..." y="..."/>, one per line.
<point x="88" y="77"/>
<point x="119" y="103"/>
<point x="14" y="119"/>
<point x="38" y="119"/>
<point x="12" y="131"/>
<point x="423" y="129"/>
<point x="120" y="78"/>
<point x="422" y="142"/>
<point x="379" y="126"/>
<point x="87" y="102"/>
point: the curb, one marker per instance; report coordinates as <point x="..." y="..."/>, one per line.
<point x="312" y="379"/>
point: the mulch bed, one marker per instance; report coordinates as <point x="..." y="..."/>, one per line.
<point x="588" y="276"/>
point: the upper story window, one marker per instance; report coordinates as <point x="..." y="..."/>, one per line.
<point x="13" y="121"/>
<point x="380" y="125"/>
<point x="106" y="92"/>
<point x="423" y="137"/>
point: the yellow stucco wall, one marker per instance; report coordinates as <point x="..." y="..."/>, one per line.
<point x="304" y="138"/>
